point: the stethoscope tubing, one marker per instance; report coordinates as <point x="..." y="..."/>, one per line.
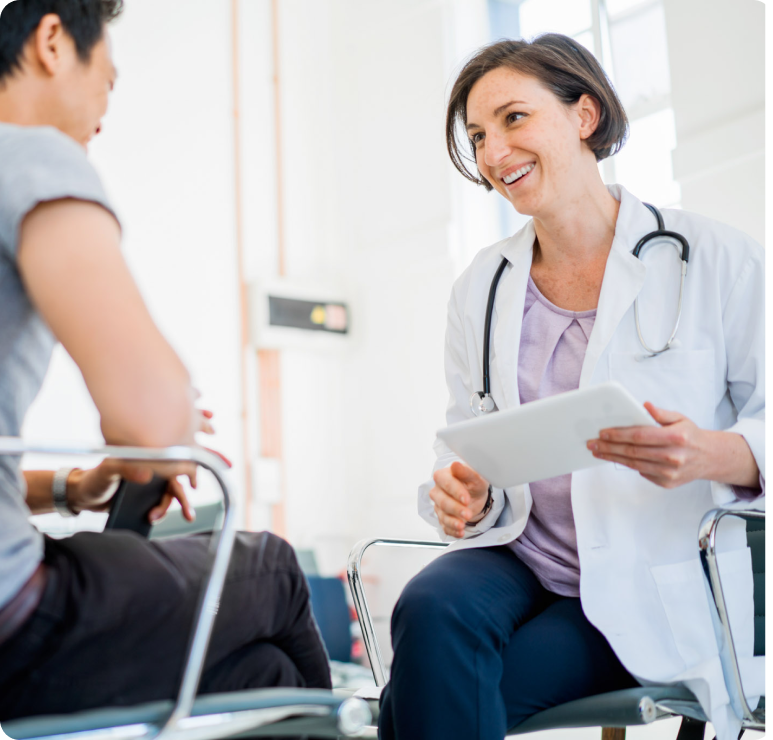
<point x="492" y="294"/>
<point x="661" y="233"/>
<point x="477" y="399"/>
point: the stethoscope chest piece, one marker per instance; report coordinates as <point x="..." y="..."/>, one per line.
<point x="482" y="403"/>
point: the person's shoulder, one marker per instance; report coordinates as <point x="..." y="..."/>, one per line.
<point x="713" y="239"/>
<point x="25" y="145"/>
<point x="40" y="164"/>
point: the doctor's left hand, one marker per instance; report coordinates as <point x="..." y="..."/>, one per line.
<point x="677" y="452"/>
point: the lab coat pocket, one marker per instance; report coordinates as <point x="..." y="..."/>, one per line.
<point x="685" y="601"/>
<point x="678" y="380"/>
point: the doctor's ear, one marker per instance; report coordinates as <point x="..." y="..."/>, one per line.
<point x="588" y="110"/>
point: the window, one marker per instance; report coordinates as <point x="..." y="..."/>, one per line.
<point x="629" y="39"/>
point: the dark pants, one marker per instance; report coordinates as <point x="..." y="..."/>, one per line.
<point x="114" y="622"/>
<point x="480" y="645"/>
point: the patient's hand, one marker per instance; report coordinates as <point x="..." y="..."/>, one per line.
<point x="459" y="496"/>
<point x="93" y="490"/>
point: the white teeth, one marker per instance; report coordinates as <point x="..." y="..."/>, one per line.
<point x="513" y="176"/>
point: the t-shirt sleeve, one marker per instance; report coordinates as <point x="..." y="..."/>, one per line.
<point x="39" y="165"/>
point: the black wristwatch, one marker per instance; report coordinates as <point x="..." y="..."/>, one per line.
<point x="486" y="508"/>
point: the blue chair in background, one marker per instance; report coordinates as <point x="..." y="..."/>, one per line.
<point x="328" y="602"/>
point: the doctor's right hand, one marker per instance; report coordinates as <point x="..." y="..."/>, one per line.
<point x="459" y="496"/>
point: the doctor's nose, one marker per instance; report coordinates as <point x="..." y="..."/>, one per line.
<point x="497" y="149"/>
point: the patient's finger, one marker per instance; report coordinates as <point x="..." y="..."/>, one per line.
<point x="132" y="472"/>
<point x="204" y="424"/>
<point x="171" y="470"/>
<point x="173" y="491"/>
<point x="158" y="512"/>
<point x="193" y="477"/>
<point x="176" y="489"/>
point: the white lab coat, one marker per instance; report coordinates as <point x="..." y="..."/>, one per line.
<point x="641" y="581"/>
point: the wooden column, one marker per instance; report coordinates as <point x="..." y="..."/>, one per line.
<point x="613" y="733"/>
<point x="269" y="368"/>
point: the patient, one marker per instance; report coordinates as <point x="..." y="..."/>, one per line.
<point x="103" y="619"/>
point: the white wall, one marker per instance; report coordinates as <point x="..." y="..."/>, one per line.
<point x="372" y="207"/>
<point x="717" y="54"/>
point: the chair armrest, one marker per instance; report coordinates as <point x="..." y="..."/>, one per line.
<point x="221" y="545"/>
<point x="354" y="575"/>
<point x="707" y="535"/>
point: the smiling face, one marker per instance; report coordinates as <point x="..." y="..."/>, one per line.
<point x="529" y="145"/>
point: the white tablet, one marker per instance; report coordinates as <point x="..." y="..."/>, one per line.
<point x="544" y="438"/>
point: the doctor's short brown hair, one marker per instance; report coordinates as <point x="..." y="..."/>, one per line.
<point x="563" y="66"/>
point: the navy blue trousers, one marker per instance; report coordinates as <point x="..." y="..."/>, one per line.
<point x="480" y="645"/>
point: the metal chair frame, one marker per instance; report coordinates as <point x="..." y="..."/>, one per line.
<point x="707" y="547"/>
<point x="648" y="709"/>
<point x="353" y="713"/>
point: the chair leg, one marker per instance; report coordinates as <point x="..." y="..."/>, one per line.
<point x="613" y="733"/>
<point x="691" y="729"/>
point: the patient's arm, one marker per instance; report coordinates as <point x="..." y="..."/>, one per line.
<point x="75" y="275"/>
<point x="39" y="485"/>
<point x="93" y="489"/>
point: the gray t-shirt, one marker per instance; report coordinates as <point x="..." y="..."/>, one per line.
<point x="36" y="165"/>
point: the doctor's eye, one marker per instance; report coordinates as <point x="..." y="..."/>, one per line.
<point x="477" y="138"/>
<point x="514" y="117"/>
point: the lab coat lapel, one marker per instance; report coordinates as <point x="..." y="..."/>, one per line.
<point x="623" y="277"/>
<point x="508" y="312"/>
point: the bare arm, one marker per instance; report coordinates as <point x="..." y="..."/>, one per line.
<point x="39" y="483"/>
<point x="75" y="275"/>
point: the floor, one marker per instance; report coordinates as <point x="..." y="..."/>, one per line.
<point x="666" y="729"/>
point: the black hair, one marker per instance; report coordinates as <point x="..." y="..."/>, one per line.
<point x="83" y="20"/>
<point x="563" y="66"/>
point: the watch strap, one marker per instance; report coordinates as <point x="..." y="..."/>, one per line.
<point x="489" y="502"/>
<point x="485" y="510"/>
<point x="59" y="491"/>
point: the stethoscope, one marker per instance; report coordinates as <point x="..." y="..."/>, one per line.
<point x="482" y="403"/>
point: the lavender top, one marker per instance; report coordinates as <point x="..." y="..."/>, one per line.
<point x="553" y="345"/>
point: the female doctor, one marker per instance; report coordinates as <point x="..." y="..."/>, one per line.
<point x="589" y="582"/>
